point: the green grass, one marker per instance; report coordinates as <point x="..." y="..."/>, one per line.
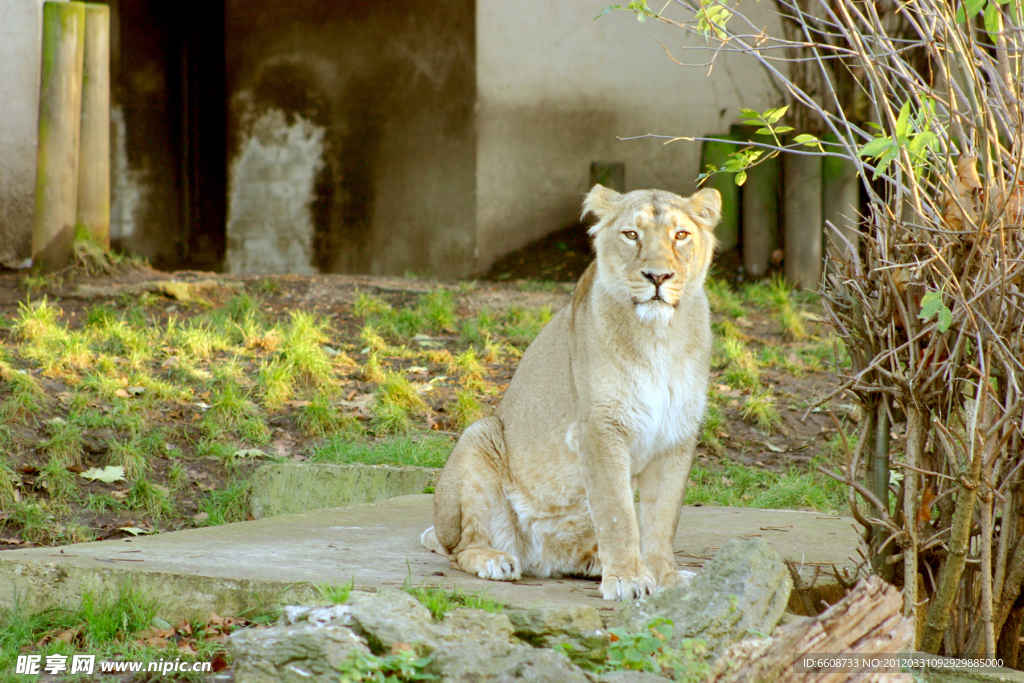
<point x="775" y="294"/>
<point x="35" y="521"/>
<point x="336" y="593"/>
<point x="302" y="349"/>
<point x="395" y="403"/>
<point x="277" y="383"/>
<point x="425" y="451"/>
<point x="103" y="502"/>
<point x="230" y="504"/>
<point x="522" y="325"/>
<point x="26" y="398"/>
<point x="759" y="409"/>
<point x="59" y="482"/>
<point x="150" y="498"/>
<point x="741" y="368"/>
<point x="711" y="430"/>
<point x="469" y="369"/>
<point x="8" y="478"/>
<point x="129" y="455"/>
<point x="319" y="417"/>
<point x="101" y="625"/>
<point x="64" y="443"/>
<point x="467" y="409"/>
<point x="477" y="329"/>
<point x="441" y="601"/>
<point x="736" y="485"/>
<point x="438" y="309"/>
<point x="722" y="299"/>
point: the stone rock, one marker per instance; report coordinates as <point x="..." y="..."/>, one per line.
<point x="391" y="616"/>
<point x="289" y="654"/>
<point x="493" y="662"/>
<point x="742" y="591"/>
<point x="631" y="677"/>
<point x="474" y="625"/>
<point x="317" y="616"/>
<point x="577" y="626"/>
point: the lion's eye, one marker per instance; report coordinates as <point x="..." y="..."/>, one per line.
<point x="630" y="234"/>
<point x="682" y="235"/>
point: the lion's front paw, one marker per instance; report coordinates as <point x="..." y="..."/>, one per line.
<point x="488" y="563"/>
<point x="627" y="587"/>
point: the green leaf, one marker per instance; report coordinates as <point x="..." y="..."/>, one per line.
<point x="773" y="115"/>
<point x="108" y="474"/>
<point x="750" y="114"/>
<point x="930" y="305"/>
<point x="805" y="139"/>
<point x="945" y="319"/>
<point x="784" y="129"/>
<point x="741" y="177"/>
<point x="901" y="121"/>
<point x="606" y="10"/>
<point x="875" y="147"/>
<point x="922" y="141"/>
<point x="993" y="20"/>
<point x="763" y="131"/>
<point x="961" y="15"/>
<point x="974" y="7"/>
<point x="884" y="159"/>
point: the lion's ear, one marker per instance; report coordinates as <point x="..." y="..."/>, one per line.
<point x="601" y="202"/>
<point x="706" y="207"/>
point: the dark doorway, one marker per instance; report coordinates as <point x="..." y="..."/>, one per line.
<point x="168" y="66"/>
<point x="205" y="134"/>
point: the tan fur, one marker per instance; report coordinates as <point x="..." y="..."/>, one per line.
<point x="608" y="398"/>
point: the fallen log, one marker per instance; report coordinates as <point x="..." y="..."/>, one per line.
<point x="868" y="621"/>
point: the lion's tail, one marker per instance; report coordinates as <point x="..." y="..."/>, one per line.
<point x="430" y="542"/>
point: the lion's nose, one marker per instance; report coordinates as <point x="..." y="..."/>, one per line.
<point x="656" y="278"/>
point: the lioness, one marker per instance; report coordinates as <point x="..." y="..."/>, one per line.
<point x="610" y="395"/>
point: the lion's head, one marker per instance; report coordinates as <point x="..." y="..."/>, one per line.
<point x="653" y="247"/>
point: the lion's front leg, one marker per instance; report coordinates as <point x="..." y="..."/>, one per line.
<point x="662" y="487"/>
<point x="606" y="473"/>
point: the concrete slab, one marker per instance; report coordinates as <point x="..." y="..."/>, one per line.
<point x="288" y="488"/>
<point x="236" y="567"/>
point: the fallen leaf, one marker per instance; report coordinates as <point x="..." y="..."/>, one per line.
<point x="123" y="393"/>
<point x="924" y="513"/>
<point x="133" y="530"/>
<point x="958" y="207"/>
<point x="135" y="391"/>
<point x="773" y="448"/>
<point x="108" y="474"/>
<point x="219" y="662"/>
<point x="400" y="647"/>
<point x="201" y="517"/>
<point x="249" y="453"/>
<point x="69" y="636"/>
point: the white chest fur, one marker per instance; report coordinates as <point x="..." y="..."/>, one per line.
<point x="662" y="406"/>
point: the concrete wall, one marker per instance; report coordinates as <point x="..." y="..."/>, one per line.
<point x="351" y="136"/>
<point x="21" y="48"/>
<point x="555" y="88"/>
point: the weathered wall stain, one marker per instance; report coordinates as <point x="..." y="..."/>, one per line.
<point x="129" y="189"/>
<point x="271" y="184"/>
<point x="392" y="85"/>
